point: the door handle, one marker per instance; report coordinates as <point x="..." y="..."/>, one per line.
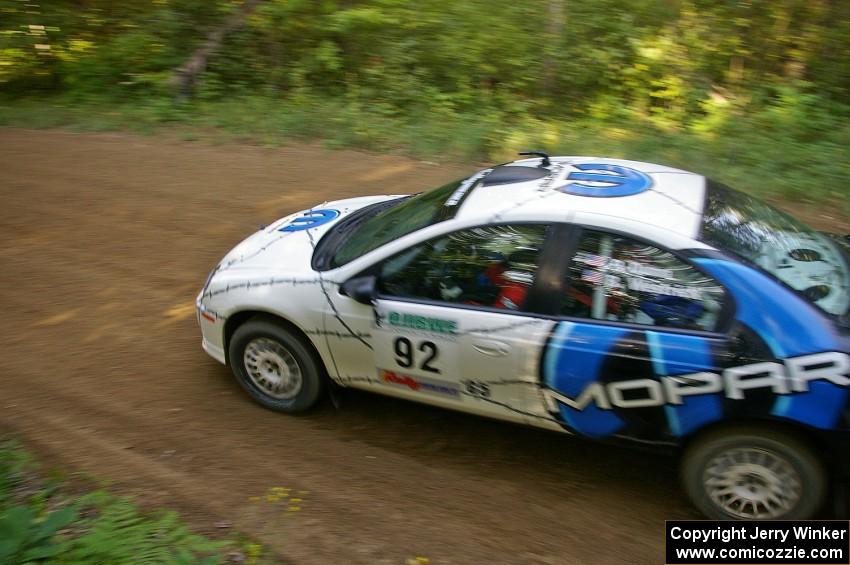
<point x="491" y="347"/>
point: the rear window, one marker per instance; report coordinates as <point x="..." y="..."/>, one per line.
<point x="806" y="260"/>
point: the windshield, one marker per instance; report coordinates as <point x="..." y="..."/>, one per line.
<point x="808" y="261"/>
<point x="409" y="215"/>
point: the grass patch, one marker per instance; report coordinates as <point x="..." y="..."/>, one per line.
<point x="40" y="523"/>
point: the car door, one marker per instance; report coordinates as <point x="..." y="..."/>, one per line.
<point x="451" y="323"/>
<point x="637" y="342"/>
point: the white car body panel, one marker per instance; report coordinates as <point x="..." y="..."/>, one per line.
<point x="270" y="271"/>
<point x="275" y="251"/>
<point x="675" y="200"/>
<point x="489" y="366"/>
<point x="252" y="276"/>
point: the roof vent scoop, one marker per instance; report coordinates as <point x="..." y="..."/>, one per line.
<point x="507" y="174"/>
<point x="545" y="162"/>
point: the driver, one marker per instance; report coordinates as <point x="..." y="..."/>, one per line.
<point x="515" y="279"/>
<point x="502" y="283"/>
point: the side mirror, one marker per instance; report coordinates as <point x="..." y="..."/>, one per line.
<point x="360" y="289"/>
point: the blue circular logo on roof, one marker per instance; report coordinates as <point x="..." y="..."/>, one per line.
<point x="608" y="180"/>
<point x="310" y="219"/>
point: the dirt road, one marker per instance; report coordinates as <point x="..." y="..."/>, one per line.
<point x="106" y="240"/>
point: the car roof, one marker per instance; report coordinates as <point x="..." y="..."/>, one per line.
<point x="575" y="187"/>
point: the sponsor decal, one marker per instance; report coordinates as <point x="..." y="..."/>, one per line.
<point x="310" y="219"/>
<point x="635" y="274"/>
<point x="477" y="388"/>
<point x="606" y="180"/>
<point x="426" y="323"/>
<point x="419" y="384"/>
<point x="626" y="267"/>
<point x="680" y="291"/>
<point x="794" y="375"/>
<point x="464" y="187"/>
<point x="651" y="384"/>
<point x="641" y="285"/>
<point x="548" y="180"/>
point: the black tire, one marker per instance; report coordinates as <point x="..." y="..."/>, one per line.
<point x="750" y="448"/>
<point x="263" y="331"/>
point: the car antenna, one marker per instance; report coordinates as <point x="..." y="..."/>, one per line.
<point x="545" y="156"/>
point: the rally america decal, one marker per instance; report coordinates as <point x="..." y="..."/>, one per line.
<point x="419" y="384"/>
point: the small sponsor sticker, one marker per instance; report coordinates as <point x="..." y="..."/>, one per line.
<point x="425" y="323"/>
<point x="418" y="384"/>
<point x="460" y="192"/>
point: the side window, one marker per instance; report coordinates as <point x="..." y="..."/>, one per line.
<point x="617" y="278"/>
<point x="489" y="266"/>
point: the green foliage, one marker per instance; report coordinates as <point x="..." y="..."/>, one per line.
<point x="38" y="525"/>
<point x="26" y="537"/>
<point x="13" y="462"/>
<point x="741" y="90"/>
<point x="794" y="147"/>
<point x="661" y="59"/>
<point x="120" y="533"/>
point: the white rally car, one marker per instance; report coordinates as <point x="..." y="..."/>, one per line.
<point x="613" y="299"/>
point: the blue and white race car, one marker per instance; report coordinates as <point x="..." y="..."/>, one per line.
<point x="611" y="299"/>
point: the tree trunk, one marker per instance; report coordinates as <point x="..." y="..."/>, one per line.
<point x="186" y="75"/>
<point x="555" y="26"/>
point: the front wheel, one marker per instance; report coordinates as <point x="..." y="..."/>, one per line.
<point x="750" y="473"/>
<point x="275" y="366"/>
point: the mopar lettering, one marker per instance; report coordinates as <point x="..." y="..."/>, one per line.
<point x="792" y="376"/>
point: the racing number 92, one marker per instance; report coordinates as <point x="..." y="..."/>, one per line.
<point x="405" y="357"/>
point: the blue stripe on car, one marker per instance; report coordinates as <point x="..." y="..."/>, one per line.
<point x="573" y="359"/>
<point x="791" y="327"/>
<point x="678" y="354"/>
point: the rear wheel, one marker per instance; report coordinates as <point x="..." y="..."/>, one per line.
<point x="751" y="473"/>
<point x="275" y="366"/>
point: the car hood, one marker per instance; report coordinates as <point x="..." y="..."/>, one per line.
<point x="287" y="245"/>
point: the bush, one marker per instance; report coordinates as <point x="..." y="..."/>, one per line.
<point x="38" y="524"/>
